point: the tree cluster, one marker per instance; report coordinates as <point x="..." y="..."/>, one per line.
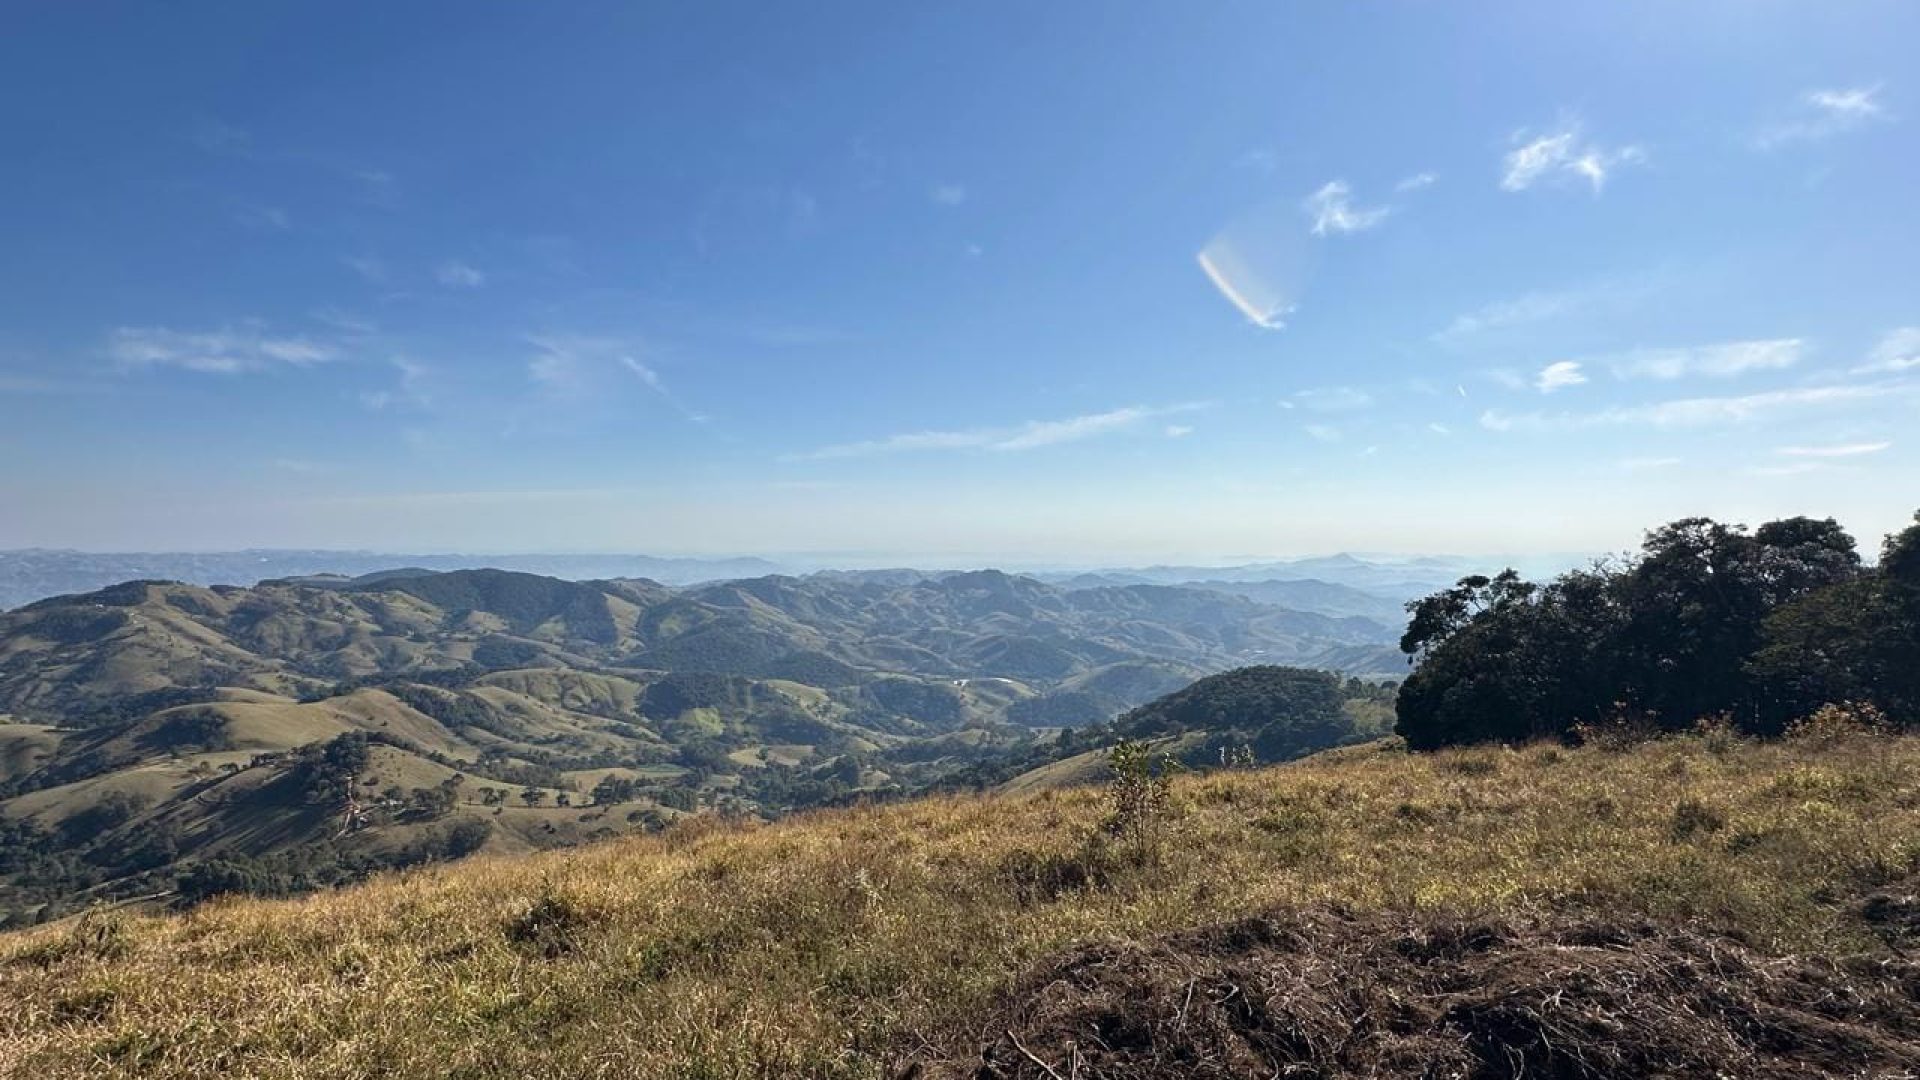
<point x="1707" y="621"/>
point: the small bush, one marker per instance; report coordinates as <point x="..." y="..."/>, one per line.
<point x="1141" y="798"/>
<point x="1692" y="817"/>
<point x="1831" y="723"/>
<point x="1718" y="733"/>
<point x="550" y="926"/>
<point x="1622" y="731"/>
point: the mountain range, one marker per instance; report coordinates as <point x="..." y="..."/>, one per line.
<point x="1341" y="584"/>
<point x="306" y="729"/>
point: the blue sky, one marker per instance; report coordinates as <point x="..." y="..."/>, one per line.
<point x="1075" y="282"/>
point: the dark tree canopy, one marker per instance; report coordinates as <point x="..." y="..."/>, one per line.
<point x="1707" y="620"/>
<point x="1283" y="712"/>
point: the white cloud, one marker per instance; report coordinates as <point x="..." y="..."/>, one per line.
<point x="1858" y="102"/>
<point x="1558" y="375"/>
<point x="1841" y="450"/>
<point x="1031" y="435"/>
<point x="1823" y="113"/>
<point x="1327" y="399"/>
<point x="223" y="351"/>
<point x="1439" y="429"/>
<point x="1333" y="211"/>
<point x="1644" y="464"/>
<point x="1703" y="411"/>
<point x="1898" y="351"/>
<point x="948" y="194"/>
<point x="1050" y="432"/>
<point x="1323" y="432"/>
<point x="1178" y="431"/>
<point x="458" y="275"/>
<point x="1416" y="182"/>
<point x="1562" y="156"/>
<point x="1720" y="360"/>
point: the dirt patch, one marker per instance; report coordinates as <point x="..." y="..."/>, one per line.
<point x="1328" y="994"/>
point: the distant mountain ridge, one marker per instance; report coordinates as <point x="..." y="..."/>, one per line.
<point x="37" y="573"/>
<point x="34" y="574"/>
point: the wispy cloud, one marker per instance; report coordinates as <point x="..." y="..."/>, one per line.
<point x="1416" y="182"/>
<point x="221" y="138"/>
<point x="224" y="351"/>
<point x="1838" y="450"/>
<point x="371" y="268"/>
<point x="559" y="366"/>
<point x="1326" y="399"/>
<point x="1333" y="211"/>
<point x="1560" y="156"/>
<point x="1702" y="411"/>
<point x="343" y="321"/>
<point x="1798" y="468"/>
<point x="303" y="467"/>
<point x="653" y="382"/>
<point x="409" y="389"/>
<point x="261" y="218"/>
<point x="1178" y="431"/>
<point x="1721" y="360"/>
<point x="1823" y="113"/>
<point x="1031" y="435"/>
<point x="1647" y="464"/>
<point x="1558" y="375"/>
<point x="1524" y="314"/>
<point x="1898" y="351"/>
<point x="948" y="194"/>
<point x="1323" y="432"/>
<point x="459" y="275"/>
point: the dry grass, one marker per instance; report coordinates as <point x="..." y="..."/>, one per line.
<point x="832" y="945"/>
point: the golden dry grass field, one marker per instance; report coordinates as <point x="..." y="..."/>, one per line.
<point x="842" y="943"/>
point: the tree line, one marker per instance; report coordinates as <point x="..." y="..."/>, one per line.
<point x="1707" y="622"/>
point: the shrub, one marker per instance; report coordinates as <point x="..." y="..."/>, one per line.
<point x="1140" y="798"/>
<point x="1830" y="723"/>
<point x="1692" y="817"/>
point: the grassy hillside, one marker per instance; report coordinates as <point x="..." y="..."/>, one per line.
<point x="1599" y="883"/>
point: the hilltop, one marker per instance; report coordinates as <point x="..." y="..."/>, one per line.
<point x="1697" y="905"/>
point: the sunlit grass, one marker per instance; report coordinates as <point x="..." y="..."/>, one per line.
<point x="833" y="943"/>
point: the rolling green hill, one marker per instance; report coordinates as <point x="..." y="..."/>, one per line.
<point x="156" y="729"/>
